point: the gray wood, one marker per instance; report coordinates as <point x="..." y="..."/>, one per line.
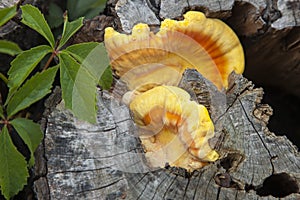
<point x="8" y="3"/>
<point x="105" y="161"/>
<point x="133" y="11"/>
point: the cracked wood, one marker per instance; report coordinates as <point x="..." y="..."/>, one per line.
<point x="97" y="162"/>
<point x="106" y="161"/>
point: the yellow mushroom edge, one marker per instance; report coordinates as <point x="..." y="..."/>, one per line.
<point x="197" y="42"/>
<point x="173" y="129"/>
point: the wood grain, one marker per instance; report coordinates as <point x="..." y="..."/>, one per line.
<point x="105" y="161"/>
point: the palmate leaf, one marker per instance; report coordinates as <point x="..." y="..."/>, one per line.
<point x="94" y="58"/>
<point x="9" y="48"/>
<point x="23" y="65"/>
<point x="7" y="13"/>
<point x="69" y="29"/>
<point x="106" y="79"/>
<point x="32" y="17"/>
<point x="82" y="50"/>
<point x="78" y="88"/>
<point x="33" y="90"/>
<point x="13" y="167"/>
<point x="30" y="133"/>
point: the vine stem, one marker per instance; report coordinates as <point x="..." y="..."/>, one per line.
<point x="49" y="60"/>
<point x="3" y="78"/>
<point x="5" y="122"/>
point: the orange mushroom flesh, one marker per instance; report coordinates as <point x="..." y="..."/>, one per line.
<point x="197" y="42"/>
<point x="173" y="129"/>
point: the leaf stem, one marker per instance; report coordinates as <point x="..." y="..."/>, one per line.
<point x="49" y="60"/>
<point x="3" y="78"/>
<point x="5" y="122"/>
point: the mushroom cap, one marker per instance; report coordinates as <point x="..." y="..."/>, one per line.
<point x="173" y="129"/>
<point x="197" y="42"/>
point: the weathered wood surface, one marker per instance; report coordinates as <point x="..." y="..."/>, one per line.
<point x="8" y="3"/>
<point x="105" y="161"/>
<point x="277" y="14"/>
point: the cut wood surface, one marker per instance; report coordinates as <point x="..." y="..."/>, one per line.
<point x="106" y="160"/>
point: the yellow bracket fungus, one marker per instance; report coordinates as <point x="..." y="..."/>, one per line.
<point x="173" y="129"/>
<point x="197" y="42"/>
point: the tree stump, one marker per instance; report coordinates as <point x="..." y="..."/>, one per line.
<point x="106" y="160"/>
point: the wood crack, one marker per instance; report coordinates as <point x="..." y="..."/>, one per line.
<point x="158" y="188"/>
<point x="99" y="188"/>
<point x="142" y="192"/>
<point x="165" y="193"/>
<point x="207" y="186"/>
<point x="80" y="171"/>
<point x="186" y="187"/>
<point x="196" y="188"/>
<point x="253" y="126"/>
<point x="246" y="89"/>
<point x="218" y="193"/>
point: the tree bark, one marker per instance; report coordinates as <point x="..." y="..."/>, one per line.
<point x="106" y="160"/>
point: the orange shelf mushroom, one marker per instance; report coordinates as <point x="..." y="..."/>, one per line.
<point x="197" y="42"/>
<point x="173" y="129"/>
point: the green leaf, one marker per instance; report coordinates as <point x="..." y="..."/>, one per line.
<point x="9" y="48"/>
<point x="1" y="112"/>
<point x="30" y="133"/>
<point x="32" y="17"/>
<point x="78" y="88"/>
<point x="69" y="29"/>
<point x="23" y="65"/>
<point x="33" y="90"/>
<point x="94" y="60"/>
<point x="82" y="50"/>
<point x="7" y="13"/>
<point x="93" y="57"/>
<point x="106" y="79"/>
<point x="13" y="168"/>
<point x="55" y="17"/>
